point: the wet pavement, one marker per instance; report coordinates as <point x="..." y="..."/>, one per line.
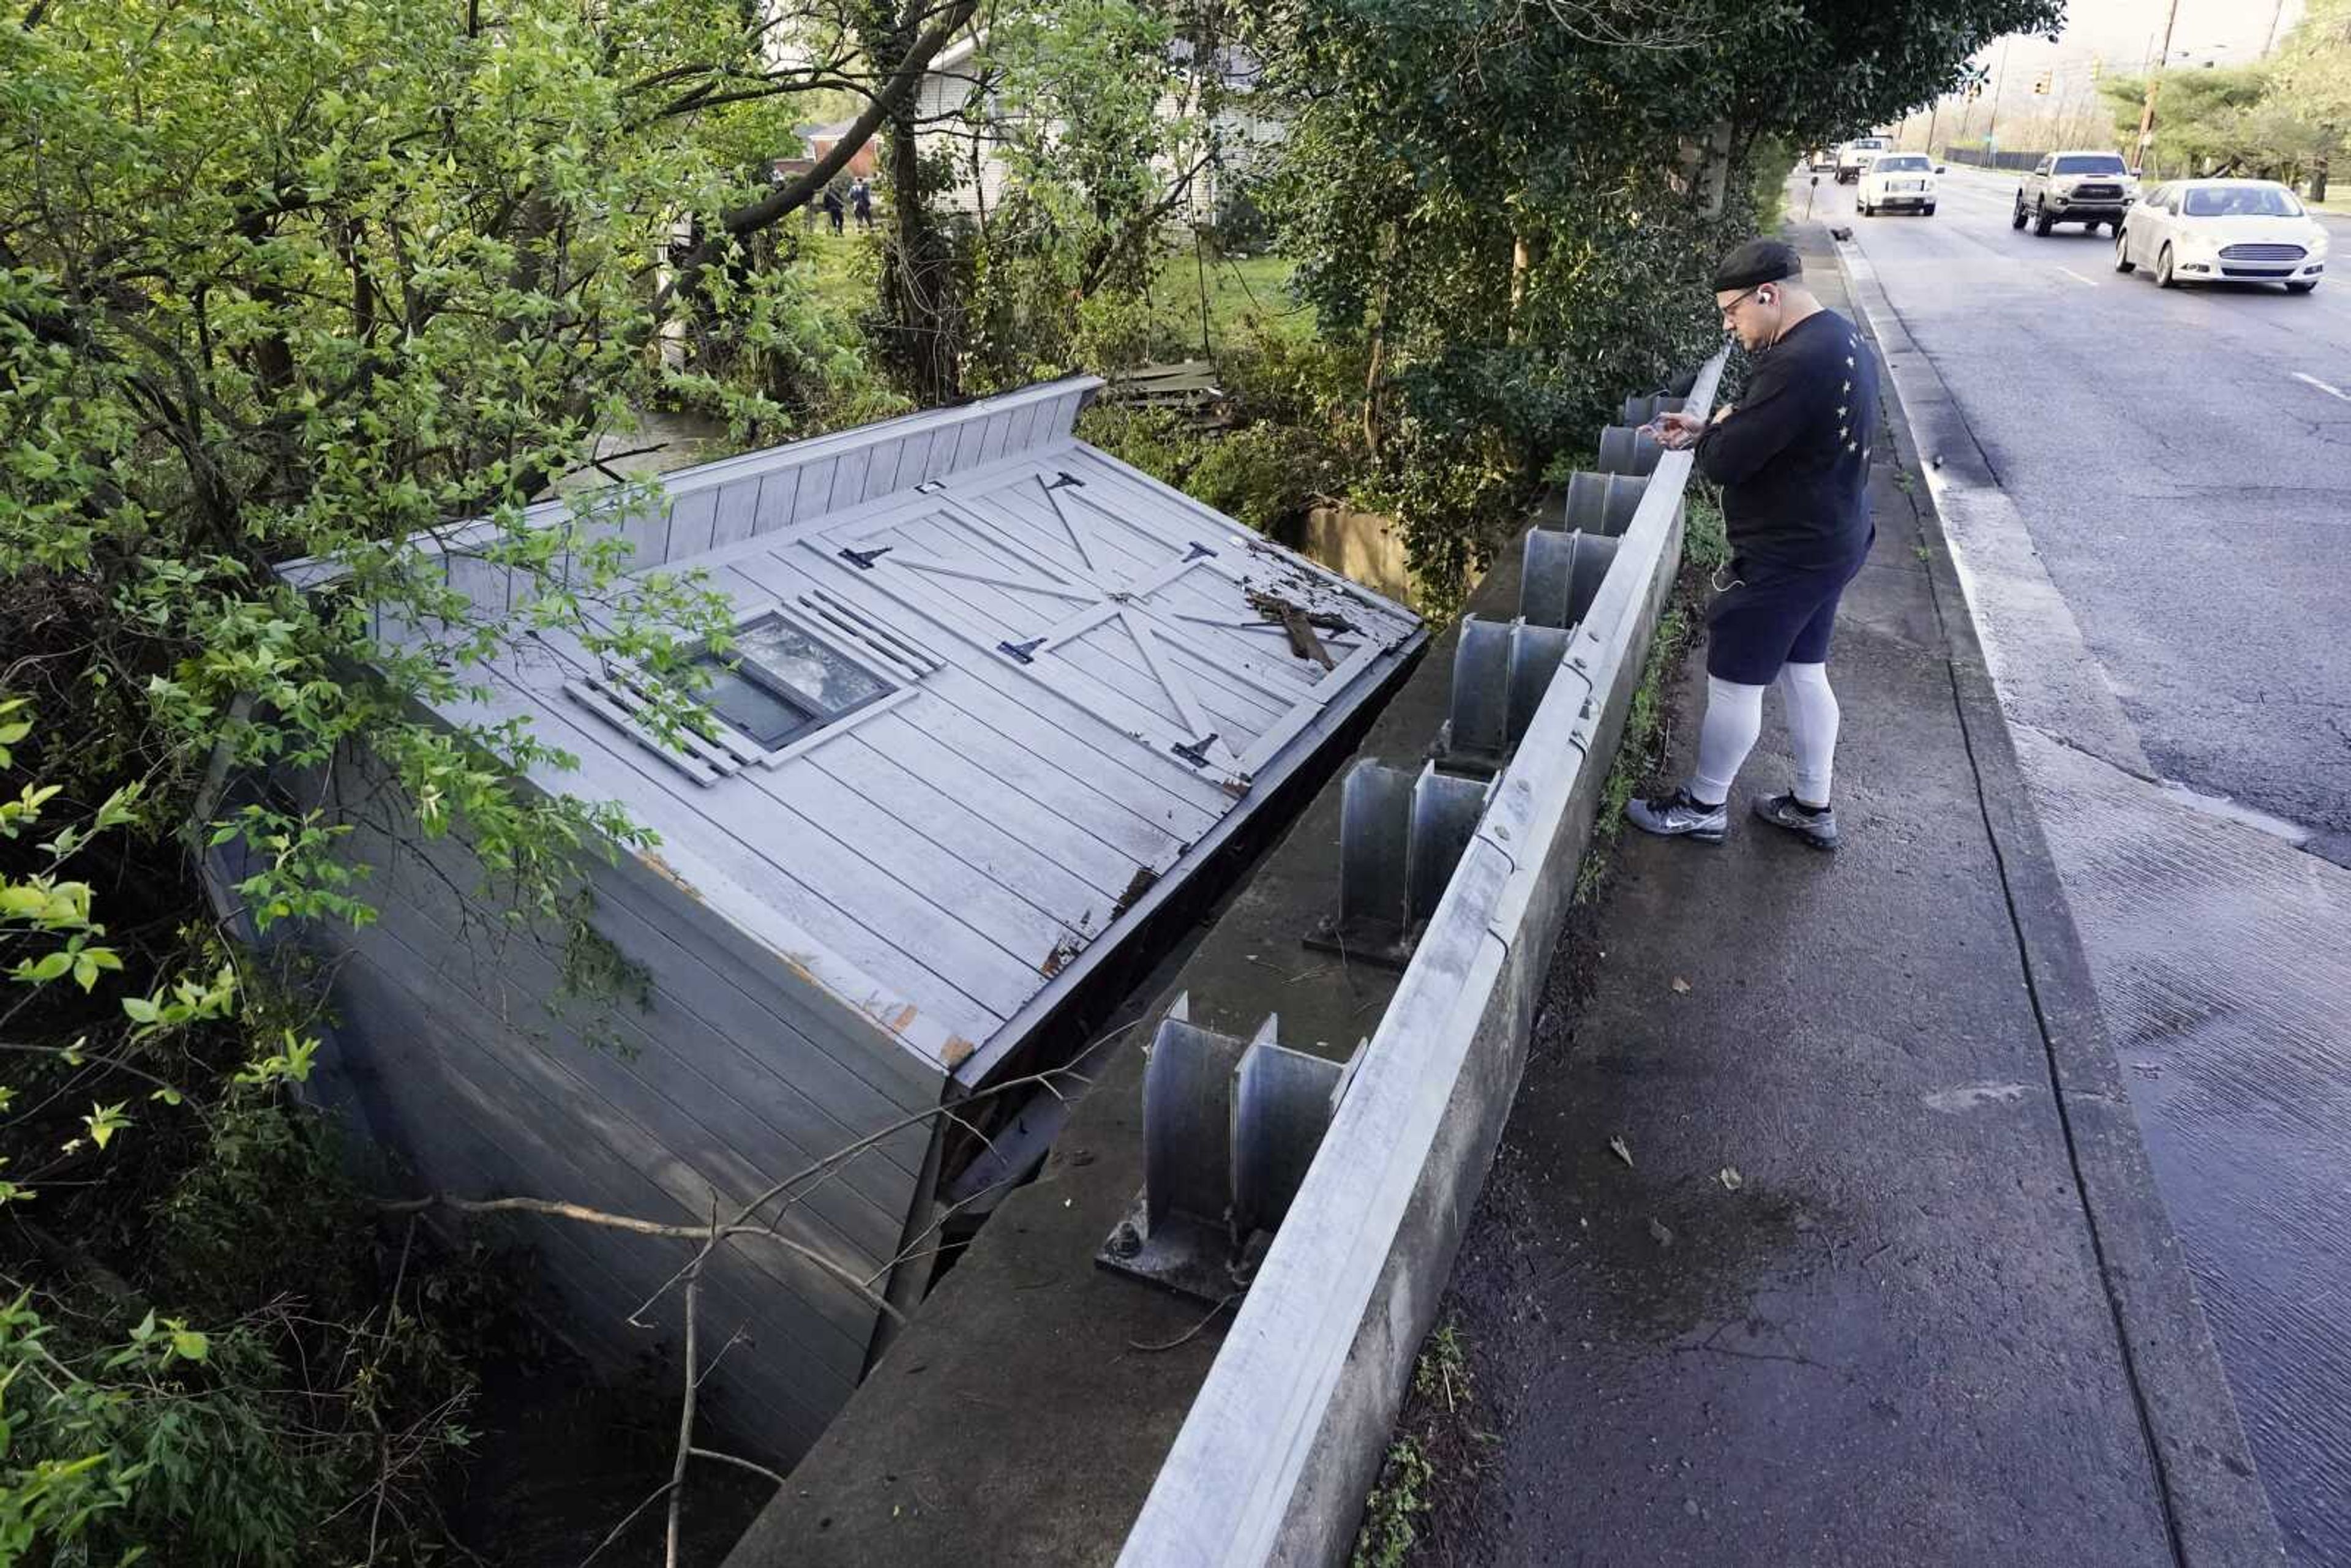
<point x="1888" y="1343"/>
<point x="1788" y="1257"/>
<point x="2223" y="960"/>
<point x="2155" y="547"/>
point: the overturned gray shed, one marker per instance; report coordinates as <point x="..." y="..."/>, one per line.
<point x="999" y="694"/>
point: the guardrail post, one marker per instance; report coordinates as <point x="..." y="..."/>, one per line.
<point x="1282" y="1103"/>
<point x="1563" y="573"/>
<point x="1477" y="730"/>
<point x="1445" y="813"/>
<point x="1400" y="836"/>
<point x="1639" y="410"/>
<point x="1499" y="674"/>
<point x="1593" y="503"/>
<point x="1374" y="833"/>
<point x="1625" y="450"/>
<point x="1229" y="1127"/>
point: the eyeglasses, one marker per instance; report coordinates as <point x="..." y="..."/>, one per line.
<point x="1729" y="310"/>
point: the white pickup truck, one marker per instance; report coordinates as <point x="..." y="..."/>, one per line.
<point x="1855" y="154"/>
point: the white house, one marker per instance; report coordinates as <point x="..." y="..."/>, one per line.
<point x="970" y="130"/>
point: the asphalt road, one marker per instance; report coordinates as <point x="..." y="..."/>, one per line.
<point x="2184" y="460"/>
<point x="2161" y="569"/>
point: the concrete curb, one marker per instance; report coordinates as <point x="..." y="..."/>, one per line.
<point x="1282" y="1445"/>
<point x="2213" y="1501"/>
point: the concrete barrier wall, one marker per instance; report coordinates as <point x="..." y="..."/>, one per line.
<point x="1285" y="1438"/>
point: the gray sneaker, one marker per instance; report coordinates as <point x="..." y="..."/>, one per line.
<point x="1816" y="829"/>
<point x="1680" y="816"/>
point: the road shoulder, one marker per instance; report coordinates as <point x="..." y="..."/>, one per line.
<point x="2217" y="1510"/>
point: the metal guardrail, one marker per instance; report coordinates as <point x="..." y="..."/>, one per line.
<point x="1284" y="1438"/>
<point x="1977" y="157"/>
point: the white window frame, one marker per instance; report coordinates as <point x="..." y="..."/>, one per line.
<point x="624" y="692"/>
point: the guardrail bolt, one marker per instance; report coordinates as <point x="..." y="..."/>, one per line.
<point x="1125" y="1242"/>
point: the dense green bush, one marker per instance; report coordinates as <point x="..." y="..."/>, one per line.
<point x="1285" y="447"/>
<point x="278" y="281"/>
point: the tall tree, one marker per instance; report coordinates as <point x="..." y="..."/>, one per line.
<point x="2313" y="80"/>
<point x="920" y="318"/>
<point x="2223" y="122"/>
<point x="1102" y="118"/>
<point x="1511" y="204"/>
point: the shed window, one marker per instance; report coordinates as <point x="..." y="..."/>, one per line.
<point x="778" y="683"/>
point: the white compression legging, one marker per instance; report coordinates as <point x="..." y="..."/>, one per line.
<point x="1734" y="717"/>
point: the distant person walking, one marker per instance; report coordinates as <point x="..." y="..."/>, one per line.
<point x="860" y="196"/>
<point x="832" y="208"/>
<point x="1792" y="459"/>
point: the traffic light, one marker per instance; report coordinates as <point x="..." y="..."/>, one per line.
<point x="2041" y="82"/>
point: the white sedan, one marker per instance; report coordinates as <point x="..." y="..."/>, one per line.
<point x="1896" y="180"/>
<point x="2213" y="231"/>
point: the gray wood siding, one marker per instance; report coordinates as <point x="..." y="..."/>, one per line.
<point x="738" y="499"/>
<point x="1085" y="691"/>
<point x="1084" y="687"/>
<point x="831" y="932"/>
<point x="723" y="1081"/>
<point x="452" y="1111"/>
<point x="798" y="880"/>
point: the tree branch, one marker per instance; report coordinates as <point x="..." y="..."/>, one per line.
<point x="686" y="1410"/>
<point x="776" y="205"/>
<point x="740" y="1463"/>
<point x="558" y="1209"/>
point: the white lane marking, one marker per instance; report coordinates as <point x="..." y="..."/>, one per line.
<point x="2332" y="391"/>
<point x="2077" y="277"/>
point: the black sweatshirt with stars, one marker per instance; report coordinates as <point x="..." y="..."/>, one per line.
<point x="1793" y="458"/>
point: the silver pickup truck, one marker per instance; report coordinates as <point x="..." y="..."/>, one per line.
<point x="2086" y="188"/>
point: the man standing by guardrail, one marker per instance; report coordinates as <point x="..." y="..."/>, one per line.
<point x="1792" y="459"/>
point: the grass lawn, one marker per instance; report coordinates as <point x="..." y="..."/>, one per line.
<point x="844" y="270"/>
<point x="1239" y="287"/>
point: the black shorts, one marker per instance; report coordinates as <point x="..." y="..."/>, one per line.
<point x="1772" y="615"/>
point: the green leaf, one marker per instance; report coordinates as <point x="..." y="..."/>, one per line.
<point x="46" y="969"/>
<point x="90" y="962"/>
<point x="189" y="1345"/>
<point x="105" y="1121"/>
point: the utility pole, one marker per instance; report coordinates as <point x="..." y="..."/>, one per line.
<point x="2154" y="81"/>
<point x="2276" y="12"/>
<point x="1999" y="81"/>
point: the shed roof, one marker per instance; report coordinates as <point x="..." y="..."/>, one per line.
<point x="1086" y="687"/>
